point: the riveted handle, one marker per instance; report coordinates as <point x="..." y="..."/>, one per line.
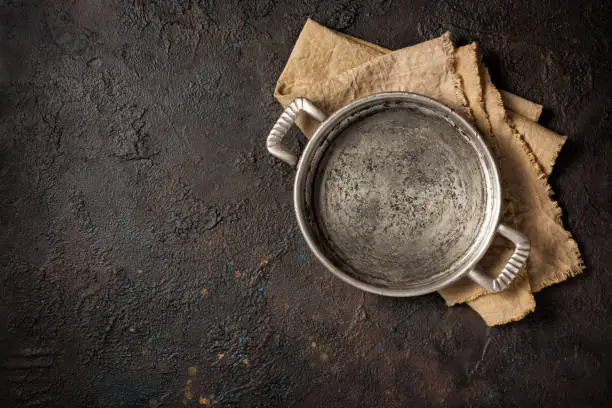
<point x="281" y="127"/>
<point x="513" y="266"/>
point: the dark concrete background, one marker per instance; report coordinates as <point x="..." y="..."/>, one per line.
<point x="132" y="138"/>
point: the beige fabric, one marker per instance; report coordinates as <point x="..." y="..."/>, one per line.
<point x="517" y="301"/>
<point x="541" y="141"/>
<point x="333" y="69"/>
<point x="312" y="72"/>
<point x="522" y="106"/>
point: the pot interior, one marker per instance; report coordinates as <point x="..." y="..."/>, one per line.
<point x="399" y="195"/>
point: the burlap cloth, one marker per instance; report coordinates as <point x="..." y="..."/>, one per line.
<point x="332" y="69"/>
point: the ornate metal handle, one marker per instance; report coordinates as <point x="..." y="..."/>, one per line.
<point x="513" y="266"/>
<point x="286" y="120"/>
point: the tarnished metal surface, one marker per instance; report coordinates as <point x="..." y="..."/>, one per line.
<point x="274" y="141"/>
<point x="398" y="195"/>
<point x="403" y="196"/>
<point x="522" y="247"/>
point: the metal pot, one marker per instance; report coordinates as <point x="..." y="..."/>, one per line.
<point x="398" y="195"/>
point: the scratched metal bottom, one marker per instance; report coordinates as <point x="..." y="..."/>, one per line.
<point x="399" y="196"/>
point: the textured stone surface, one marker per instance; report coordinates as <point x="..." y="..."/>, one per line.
<point x="149" y="251"/>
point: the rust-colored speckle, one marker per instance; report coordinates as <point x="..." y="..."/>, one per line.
<point x="192" y="371"/>
<point x="139" y="270"/>
<point x="132" y="330"/>
<point x="221" y="355"/>
<point x="245" y="361"/>
<point x="238" y="274"/>
<point x="210" y="400"/>
<point x="204" y="292"/>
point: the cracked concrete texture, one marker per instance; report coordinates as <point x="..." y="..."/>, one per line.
<point x="133" y="175"/>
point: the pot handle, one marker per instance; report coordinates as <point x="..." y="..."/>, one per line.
<point x="513" y="266"/>
<point x="282" y="125"/>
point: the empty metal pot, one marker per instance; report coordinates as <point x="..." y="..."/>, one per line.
<point x="398" y="195"/>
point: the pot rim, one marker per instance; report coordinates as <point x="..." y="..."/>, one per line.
<point x="488" y="165"/>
